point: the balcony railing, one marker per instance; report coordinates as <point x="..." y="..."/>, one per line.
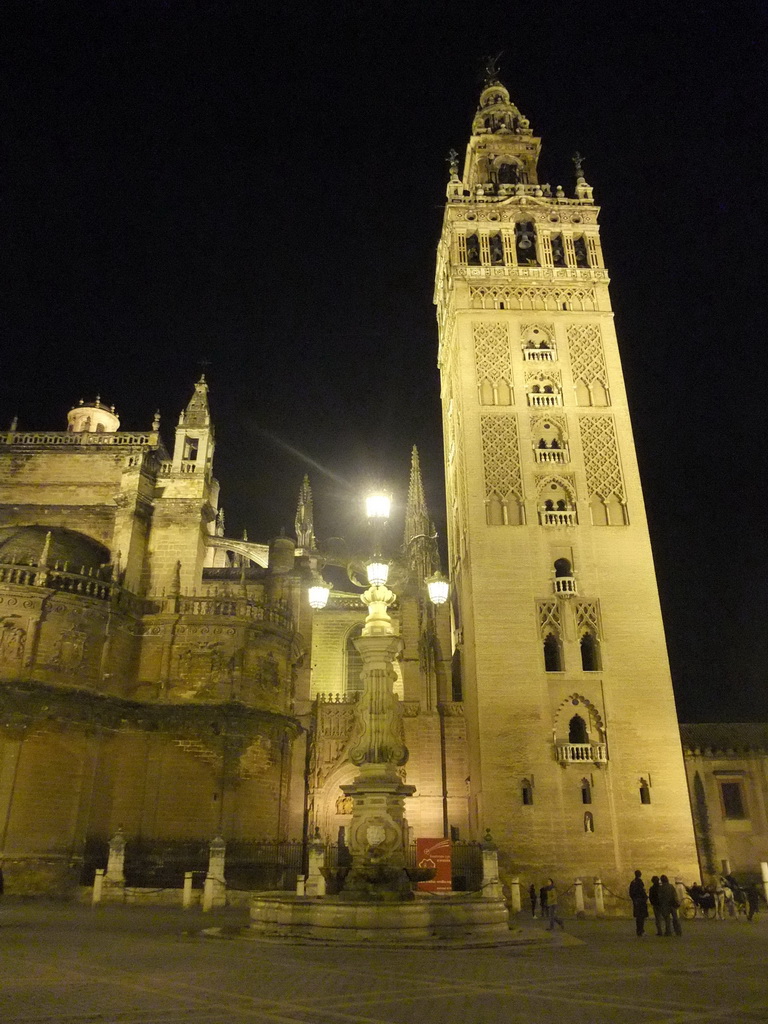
<point x="539" y="355"/>
<point x="277" y="613"/>
<point x="85" y="583"/>
<point x="544" y="398"/>
<point x="567" y="753"/>
<point x="565" y="585"/>
<point x="561" y="518"/>
<point x="551" y="454"/>
<point x="91" y="584"/>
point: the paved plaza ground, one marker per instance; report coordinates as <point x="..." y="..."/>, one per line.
<point x="64" y="964"/>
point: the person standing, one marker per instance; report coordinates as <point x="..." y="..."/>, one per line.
<point x="551" y="904"/>
<point x="668" y="904"/>
<point x="532" y="898"/>
<point x="653" y="899"/>
<point x="753" y="900"/>
<point x="639" y="899"/>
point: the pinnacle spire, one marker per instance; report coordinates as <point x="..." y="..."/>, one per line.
<point x="419" y="541"/>
<point x="197" y="413"/>
<point x="305" y="531"/>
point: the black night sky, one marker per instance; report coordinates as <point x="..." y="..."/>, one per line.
<point x="256" y="190"/>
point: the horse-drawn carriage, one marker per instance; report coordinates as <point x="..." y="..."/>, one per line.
<point x="702" y="901"/>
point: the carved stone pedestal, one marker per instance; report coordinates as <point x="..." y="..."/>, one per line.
<point x="377" y="836"/>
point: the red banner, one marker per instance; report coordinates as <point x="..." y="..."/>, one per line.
<point x="436" y="854"/>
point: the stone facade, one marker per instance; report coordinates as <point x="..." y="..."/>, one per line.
<point x="727" y="768"/>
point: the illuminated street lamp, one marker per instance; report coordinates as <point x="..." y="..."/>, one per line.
<point x="378" y="505"/>
<point x="319" y="592"/>
<point x="437" y="587"/>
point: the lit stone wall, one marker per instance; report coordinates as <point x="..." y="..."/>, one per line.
<point x="731" y="835"/>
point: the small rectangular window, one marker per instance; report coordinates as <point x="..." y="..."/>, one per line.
<point x="732" y="799"/>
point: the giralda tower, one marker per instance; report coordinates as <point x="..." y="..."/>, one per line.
<point x="574" y="749"/>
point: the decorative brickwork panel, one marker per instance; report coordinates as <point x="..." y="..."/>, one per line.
<point x="601" y="457"/>
<point x="587" y="615"/>
<point x="492" y="362"/>
<point x="549" y="619"/>
<point x="501" y="456"/>
<point x="585" y="347"/>
<point x="544" y="377"/>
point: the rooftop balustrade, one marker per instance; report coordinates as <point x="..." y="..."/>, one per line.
<point x="77" y="439"/>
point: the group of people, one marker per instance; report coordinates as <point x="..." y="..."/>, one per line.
<point x="662" y="898"/>
<point x="664" y="902"/>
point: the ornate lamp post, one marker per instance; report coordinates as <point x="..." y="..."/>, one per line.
<point x="378" y="832"/>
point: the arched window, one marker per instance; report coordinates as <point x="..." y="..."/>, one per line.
<point x="553" y="655"/>
<point x="525" y="244"/>
<point x="526" y="792"/>
<point x="586" y="791"/>
<point x="563" y="567"/>
<point x="580" y="249"/>
<point x="508" y="174"/>
<point x="589" y="822"/>
<point x="473" y="251"/>
<point x="577" y="730"/>
<point x="645" y="792"/>
<point x="353" y="664"/>
<point x="496" y="249"/>
<point x="558" y="251"/>
<point x="590" y="652"/>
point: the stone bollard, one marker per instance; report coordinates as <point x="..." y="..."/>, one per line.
<point x="491" y="885"/>
<point x="681" y="893"/>
<point x="215" y="888"/>
<point x="599" y="901"/>
<point x="726" y="866"/>
<point x="314" y="884"/>
<point x="113" y="883"/>
<point x="301" y="887"/>
<point x="514" y="895"/>
<point x="186" y="896"/>
<point x="98" y="885"/>
<point x="764" y="873"/>
<point x="578" y="897"/>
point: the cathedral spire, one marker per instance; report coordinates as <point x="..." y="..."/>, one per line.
<point x="305" y="527"/>
<point x="419" y="539"/>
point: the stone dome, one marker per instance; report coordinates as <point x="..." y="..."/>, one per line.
<point x="23" y="545"/>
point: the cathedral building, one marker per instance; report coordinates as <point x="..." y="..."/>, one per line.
<point x="159" y="677"/>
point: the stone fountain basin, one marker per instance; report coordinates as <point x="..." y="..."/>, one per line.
<point x="455" y="917"/>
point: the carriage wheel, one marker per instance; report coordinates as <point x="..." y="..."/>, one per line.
<point x="687" y="908"/>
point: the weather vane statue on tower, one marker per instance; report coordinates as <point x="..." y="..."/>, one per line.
<point x="491" y="69"/>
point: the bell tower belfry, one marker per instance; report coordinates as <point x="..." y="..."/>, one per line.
<point x="575" y="758"/>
